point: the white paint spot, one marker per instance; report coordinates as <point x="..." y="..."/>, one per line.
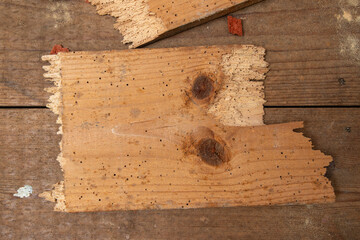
<point x="127" y="236"/>
<point x="24" y="191"/>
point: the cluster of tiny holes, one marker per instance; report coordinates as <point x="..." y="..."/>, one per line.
<point x="173" y="17"/>
<point x="128" y="178"/>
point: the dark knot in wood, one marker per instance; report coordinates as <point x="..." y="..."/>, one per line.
<point x="211" y="152"/>
<point x="202" y="87"/>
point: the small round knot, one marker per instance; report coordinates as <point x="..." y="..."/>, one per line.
<point x="211" y="152"/>
<point x="202" y="87"/>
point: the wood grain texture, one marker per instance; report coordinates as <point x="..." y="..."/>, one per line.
<point x="224" y="81"/>
<point x="303" y="49"/>
<point x="29" y="146"/>
<point x="170" y="134"/>
<point x="141" y="22"/>
<point x="268" y="165"/>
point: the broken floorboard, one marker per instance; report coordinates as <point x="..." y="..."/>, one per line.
<point x="247" y="166"/>
<point x="29" y="146"/>
<point x="168" y="134"/>
<point x="302" y="42"/>
<point x="141" y="22"/>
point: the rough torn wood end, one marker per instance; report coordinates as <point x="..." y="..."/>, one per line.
<point x="176" y="128"/>
<point x="141" y="22"/>
<point x="56" y="194"/>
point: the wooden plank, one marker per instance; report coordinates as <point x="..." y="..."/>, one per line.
<point x="29" y="146"/>
<point x="168" y="134"/>
<point x="303" y="49"/>
<point x="141" y="22"/>
<point x="137" y="178"/>
<point x="226" y="81"/>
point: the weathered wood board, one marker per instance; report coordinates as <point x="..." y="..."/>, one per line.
<point x="141" y="22"/>
<point x="175" y="128"/>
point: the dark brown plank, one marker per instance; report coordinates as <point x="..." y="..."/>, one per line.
<point x="29" y="146"/>
<point x="303" y="40"/>
<point x="29" y="29"/>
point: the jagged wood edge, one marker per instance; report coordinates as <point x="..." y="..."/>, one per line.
<point x="53" y="74"/>
<point x="245" y="68"/>
<point x="133" y="20"/>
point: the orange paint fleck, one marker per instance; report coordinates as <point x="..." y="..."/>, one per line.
<point x="58" y="48"/>
<point x="235" y="26"/>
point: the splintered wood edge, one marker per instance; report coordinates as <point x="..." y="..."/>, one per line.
<point x="56" y="195"/>
<point x="133" y="20"/>
<point x="139" y="21"/>
<point x="245" y="69"/>
<point x="53" y="74"/>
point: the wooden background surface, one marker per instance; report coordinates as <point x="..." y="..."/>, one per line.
<point x="314" y="77"/>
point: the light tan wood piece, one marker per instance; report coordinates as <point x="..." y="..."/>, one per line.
<point x="175" y="128"/>
<point x="141" y="22"/>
